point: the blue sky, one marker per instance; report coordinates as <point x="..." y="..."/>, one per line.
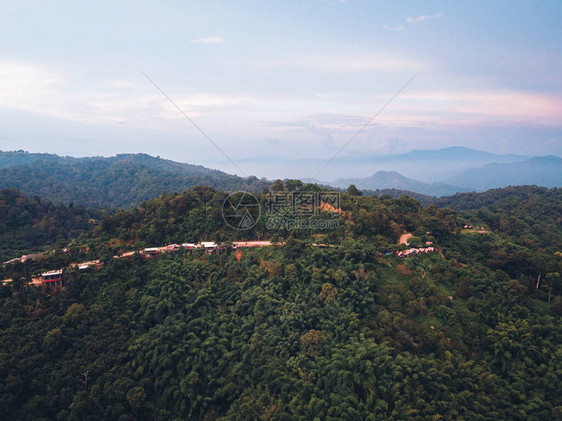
<point x="290" y="80"/>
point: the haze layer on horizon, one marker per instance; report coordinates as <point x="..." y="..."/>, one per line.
<point x="282" y="80"/>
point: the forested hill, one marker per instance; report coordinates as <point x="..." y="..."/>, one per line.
<point x="470" y="331"/>
<point x="122" y="181"/>
<point x="529" y="213"/>
<point x="29" y="224"/>
<point x="395" y="193"/>
<point x="497" y="199"/>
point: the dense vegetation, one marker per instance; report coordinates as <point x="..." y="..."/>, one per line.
<point x="505" y="199"/>
<point x="395" y="193"/>
<point x="28" y="224"/>
<point x="122" y="181"/>
<point x="296" y="331"/>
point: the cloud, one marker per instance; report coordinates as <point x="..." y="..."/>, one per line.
<point x="208" y="40"/>
<point x="505" y="107"/>
<point x="423" y="18"/>
<point x="433" y="109"/>
<point x="44" y="91"/>
<point x="135" y="103"/>
<point x="399" y="27"/>
<point x="346" y="63"/>
<point x="22" y="86"/>
<point x="412" y="20"/>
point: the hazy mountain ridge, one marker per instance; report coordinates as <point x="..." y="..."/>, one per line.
<point x="125" y="180"/>
<point x="458" y="152"/>
<point x="543" y="171"/>
<point x="429" y="165"/>
<point x="395" y="180"/>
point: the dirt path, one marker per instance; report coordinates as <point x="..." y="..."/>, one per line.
<point x="404" y="238"/>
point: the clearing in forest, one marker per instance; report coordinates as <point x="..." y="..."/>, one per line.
<point x="404" y="238"/>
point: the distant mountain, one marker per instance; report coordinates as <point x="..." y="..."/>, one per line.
<point x="542" y="171"/>
<point x="438" y="164"/>
<point x="121" y="181"/>
<point x="431" y="165"/>
<point x="394" y="180"/>
<point x="456" y="153"/>
<point x="125" y="180"/>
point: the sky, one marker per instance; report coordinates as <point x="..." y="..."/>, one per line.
<point x="272" y="83"/>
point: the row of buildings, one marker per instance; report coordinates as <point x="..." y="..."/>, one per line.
<point x="414" y="251"/>
<point x="209" y="247"/>
<point x="409" y="252"/>
<point x="54" y="278"/>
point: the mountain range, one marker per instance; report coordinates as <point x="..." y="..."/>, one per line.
<point x="432" y="165"/>
<point x="125" y="180"/>
<point x="427" y="165"/>
<point x="541" y="171"/>
<point x="394" y="180"/>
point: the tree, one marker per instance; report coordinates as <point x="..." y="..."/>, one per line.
<point x="54" y="340"/>
<point x="328" y="294"/>
<point x="76" y="314"/>
<point x="353" y="191"/>
<point x="277" y="185"/>
<point x="311" y="187"/>
<point x="312" y="343"/>
<point x="293" y="185"/>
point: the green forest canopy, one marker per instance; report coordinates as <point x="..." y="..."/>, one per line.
<point x="296" y="332"/>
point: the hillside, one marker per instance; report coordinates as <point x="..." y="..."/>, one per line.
<point x="14" y="158"/>
<point x="500" y="199"/>
<point x="395" y="193"/>
<point x="394" y="180"/>
<point x="122" y="181"/>
<point x="295" y="331"/>
<point x="541" y="171"/>
<point x="30" y="224"/>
